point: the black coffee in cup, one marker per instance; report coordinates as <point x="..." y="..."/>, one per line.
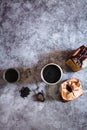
<point x="51" y="73"/>
<point x="11" y="75"/>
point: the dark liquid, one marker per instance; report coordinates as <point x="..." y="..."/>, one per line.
<point x="69" y="88"/>
<point x="51" y="74"/>
<point x="11" y="75"/>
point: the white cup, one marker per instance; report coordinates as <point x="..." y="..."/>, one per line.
<point x="52" y="67"/>
<point x="51" y="74"/>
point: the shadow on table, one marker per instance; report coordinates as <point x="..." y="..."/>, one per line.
<point x="2" y="81"/>
<point x="32" y="74"/>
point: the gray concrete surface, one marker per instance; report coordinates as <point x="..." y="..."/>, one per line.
<point x="32" y="34"/>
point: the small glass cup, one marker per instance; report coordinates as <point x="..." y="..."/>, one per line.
<point x="11" y="75"/>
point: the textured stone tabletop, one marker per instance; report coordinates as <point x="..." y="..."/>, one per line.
<point x="32" y="34"/>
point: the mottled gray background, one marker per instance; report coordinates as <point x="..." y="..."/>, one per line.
<point x="32" y="34"/>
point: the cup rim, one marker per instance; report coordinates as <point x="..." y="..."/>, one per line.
<point x="13" y="69"/>
<point x="43" y="77"/>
